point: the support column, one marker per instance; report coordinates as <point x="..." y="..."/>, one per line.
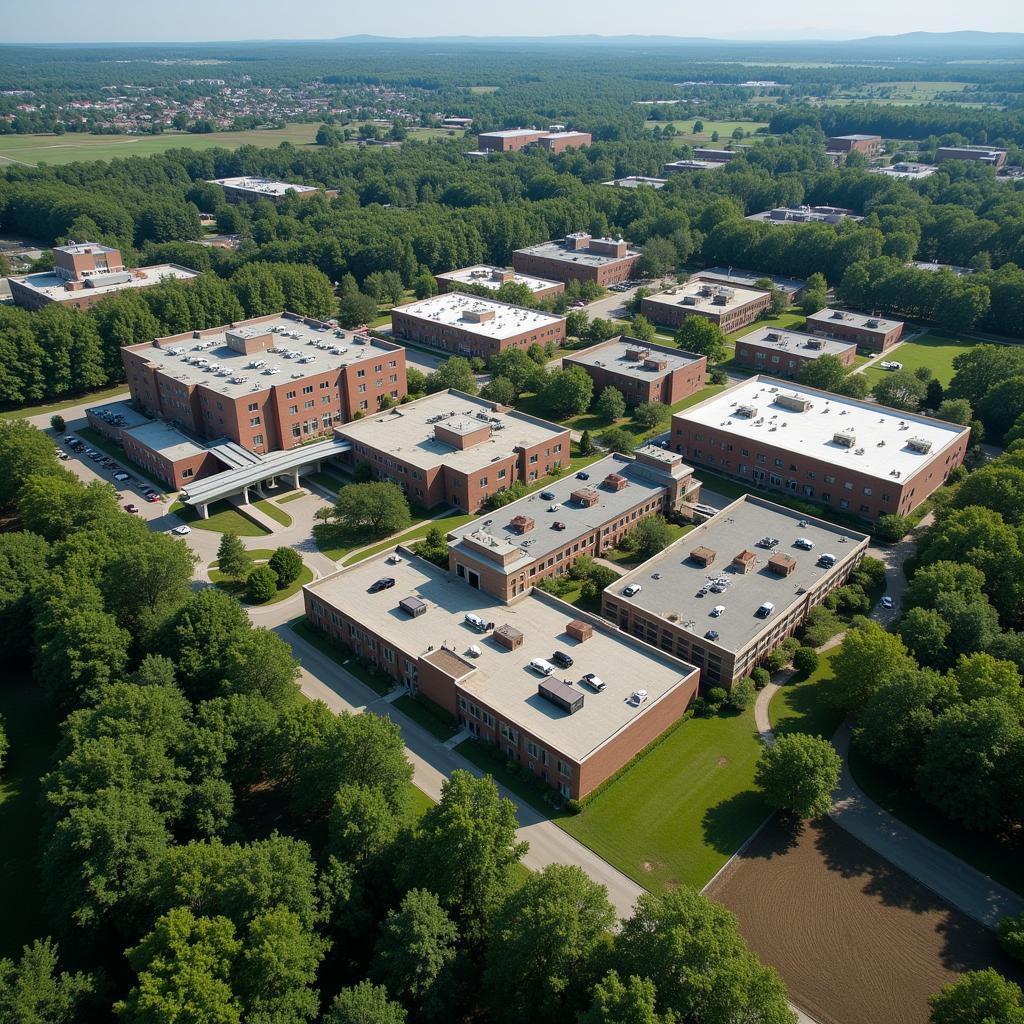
<point x="258" y="487"/>
<point x="295" y="478"/>
<point x="245" y="495"/>
<point x="204" y="511"/>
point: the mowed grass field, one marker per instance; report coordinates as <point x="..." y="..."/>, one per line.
<point x="936" y="351"/>
<point x="724" y="128"/>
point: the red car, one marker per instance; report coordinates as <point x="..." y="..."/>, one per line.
<point x="152" y="496"/>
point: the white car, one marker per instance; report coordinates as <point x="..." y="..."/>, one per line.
<point x="890" y="364"/>
<point x="886" y="601"/>
<point x="718" y="611"/>
<point x="182" y="531"/>
<point x="638" y="697"/>
<point x="632" y="590"/>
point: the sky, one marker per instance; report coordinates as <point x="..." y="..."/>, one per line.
<point x="25" y="21"/>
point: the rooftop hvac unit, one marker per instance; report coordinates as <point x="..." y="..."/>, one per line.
<point x="919" y="444"/>
<point x="794" y="402"/>
<point x="746" y="411"/>
<point x="845" y="438"/>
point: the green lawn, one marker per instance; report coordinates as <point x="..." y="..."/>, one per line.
<point x="291" y="497"/>
<point x="803" y="705"/>
<point x="417" y="804"/>
<point x="682" y="811"/>
<point x="789" y="320"/>
<point x="259" y="556"/>
<point x="936" y="351"/>
<point x="724" y="129"/>
<point x="451" y="521"/>
<point x="328" y="481"/>
<point x="629" y="559"/>
<point x="118" y="391"/>
<point x="423" y="712"/>
<point x="266" y="506"/>
<point x="224" y="518"/>
<point x="32" y="732"/>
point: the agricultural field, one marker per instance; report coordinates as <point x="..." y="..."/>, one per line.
<point x="912" y="94"/>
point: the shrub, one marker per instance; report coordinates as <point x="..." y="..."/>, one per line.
<point x="742" y="693"/>
<point x="805" y="661"/>
<point x="891" y="528"/>
<point x="58" y="424"/>
<point x="1011" y="936"/>
<point x="287" y="563"/>
<point x="821" y="625"/>
<point x="776" y="660"/>
<point x="799" y="773"/>
<point x="716" y="697"/>
<point x="699" y="706"/>
<point x="718" y="377"/>
<point x="261" y="584"/>
<point x="761" y="676"/>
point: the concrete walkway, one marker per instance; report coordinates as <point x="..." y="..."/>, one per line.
<point x="259" y="516"/>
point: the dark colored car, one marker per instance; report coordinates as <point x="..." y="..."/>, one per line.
<point x="548" y="495"/>
<point x="711" y="634"/>
<point x="385" y="583"/>
<point x="582" y="475"/>
<point x="561" y="659"/>
<point x="131" y="508"/>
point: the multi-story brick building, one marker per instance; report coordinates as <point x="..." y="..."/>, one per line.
<point x="453" y="449"/>
<point x="537" y="536"/>
<point x="728" y="593"/>
<point x="472" y="655"/>
<point x="716" y="156"/>
<point x="729" y="308"/>
<point x="269" y="383"/>
<point x="856" y="457"/>
<point x="869" y="332"/>
<point x="579" y="257"/>
<point x="557" y="142"/>
<point x="783" y="353"/>
<point x="869" y="145"/>
<point x="978" y="154"/>
<point x="84" y="273"/>
<point x="641" y="371"/>
<point x="492" y="278"/>
<point x="248" y="189"/>
<point x="791" y="287"/>
<point x="511" y="140"/>
<point x="473" y="325"/>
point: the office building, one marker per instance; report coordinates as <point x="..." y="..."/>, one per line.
<point x="729" y="308"/>
<point x="247" y="189"/>
<point x="856" y="457"/>
<point x="473" y="325"/>
<point x="84" y="273"/>
<point x="805" y="215"/>
<point x="492" y="278"/>
<point x="518" y="545"/>
<point x="511" y="140"/>
<point x="784" y="353"/>
<point x="677" y="166"/>
<point x="868" y="332"/>
<point x="906" y="171"/>
<point x="472" y="655"/>
<point x="869" y="145"/>
<point x="791" y="287"/>
<point x="728" y="593"/>
<point x="977" y="154"/>
<point x="715" y="156"/>
<point x="641" y="371"/>
<point x="579" y="257"/>
<point x="453" y="449"/>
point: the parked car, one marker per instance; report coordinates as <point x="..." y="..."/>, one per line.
<point x="632" y="589"/>
<point x="890" y="364"/>
<point x="803" y="543"/>
<point x="121" y="475"/>
<point x="152" y="496"/>
<point x="718" y="611"/>
<point x="711" y="634"/>
<point x="384" y="583"/>
<point x="547" y="495"/>
<point x="886" y="601"/>
<point x="182" y="531"/>
<point x="561" y="659"/>
<point x="582" y="475"/>
<point x="594" y="682"/>
<point x="132" y="508"/>
<point x="554" y="508"/>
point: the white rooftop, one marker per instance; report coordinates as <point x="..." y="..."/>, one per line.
<point x="263" y="186"/>
<point x="810" y="346"/>
<point x="824" y="318"/>
<point x="514" y="133"/>
<point x="693" y="165"/>
<point x="500" y="677"/>
<point x="880" y="445"/>
<point x="749" y="278"/>
<point x="908" y="171"/>
<point x="456" y="309"/>
<point x="407" y="432"/>
<point x="81" y="248"/>
<point x="483" y="276"/>
<point x="613" y="355"/>
<point x="52" y="285"/>
<point x="557" y="250"/>
<point x="701" y="295"/>
<point x="636" y="181"/>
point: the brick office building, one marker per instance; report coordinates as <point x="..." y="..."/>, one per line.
<point x="641" y="371"/>
<point x="557" y="142"/>
<point x="472" y="325"/>
<point x="453" y="449"/>
<point x="728" y="593"/>
<point x="533" y="538"/>
<point x="791" y="287"/>
<point x="268" y="384"/>
<point x="511" y="140"/>
<point x="869" y="145"/>
<point x="783" y="353"/>
<point x="805" y="215"/>
<point x="853" y="456"/>
<point x="729" y="308"/>
<point x="478" y="669"/>
<point x="977" y="154"/>
<point x="248" y="189"/>
<point x="84" y="273"/>
<point x="868" y="332"/>
<point x="492" y="278"/>
<point x="579" y="257"/>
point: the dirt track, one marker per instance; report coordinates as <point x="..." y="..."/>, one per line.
<point x="856" y="940"/>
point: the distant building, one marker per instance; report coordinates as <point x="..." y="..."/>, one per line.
<point x="677" y="166"/>
<point x="84" y="273"/>
<point x="729" y="308"/>
<point x="869" y="145"/>
<point x="579" y="257"/>
<point x="805" y="215"/>
<point x="979" y="154"/>
<point x="492" y="278"/>
<point x="870" y="332"/>
<point x="456" y="122"/>
<point x="250" y="189"/>
<point x="791" y="287"/>
<point x="637" y="181"/>
<point x="471" y="325"/>
<point x="716" y="156"/>
<point x="511" y="140"/>
<point x="556" y="142"/>
<point x="641" y="371"/>
<point x="935" y="267"/>
<point x="906" y="170"/>
<point x="783" y="353"/>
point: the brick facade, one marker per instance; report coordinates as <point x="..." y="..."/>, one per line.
<point x="857" y="328"/>
<point x="782" y="362"/>
<point x="728" y="318"/>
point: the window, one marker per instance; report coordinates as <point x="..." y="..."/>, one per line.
<point x="843" y="503"/>
<point x="289" y="394"/>
<point x="308" y="389"/>
<point x="362" y="389"/>
<point x="509" y="733"/>
<point x="829" y="479"/>
<point x="257" y="439"/>
<point x="254" y="421"/>
<point x="293" y="410"/>
<point x="532" y="749"/>
<point x="564" y="769"/>
<point x="253" y="406"/>
<point x="324" y="384"/>
<point x="360" y="373"/>
<point x="533" y="460"/>
<point x="848" y="486"/>
<point x="867" y="492"/>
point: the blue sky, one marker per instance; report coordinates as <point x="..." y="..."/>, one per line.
<point x="196" y="20"/>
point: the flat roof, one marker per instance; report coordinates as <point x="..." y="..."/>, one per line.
<point x="749" y="278"/>
<point x="856" y="138"/>
<point x="302" y="347"/>
<point x="502" y="678"/>
<point x="52" y="285"/>
<point x="167" y="440"/>
<point x="83" y="248"/>
<point x="494" y="529"/>
<point x="935" y="266"/>
<point x="692" y="290"/>
<point x="973" y="149"/>
<point x="805" y="215"/>
<point x="563" y="134"/>
<point x="556" y="250"/>
<point x="910" y="171"/>
<point x="810" y="346"/>
<point x="263" y="186"/>
<point x="514" y="133"/>
<point x="881" y="435"/>
<point x="124" y="413"/>
<point x="407" y="431"/>
<point x="481" y="274"/>
<point x="694" y="165"/>
<point x="612" y="355"/>
<point x="453" y="309"/>
<point x="739" y="527"/>
<point x="636" y="181"/>
<point x="862" y="321"/>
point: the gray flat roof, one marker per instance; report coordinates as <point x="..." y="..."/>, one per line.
<point x="52" y="285"/>
<point x="675" y="595"/>
<point x="454" y="309"/>
<point x="263" y="186"/>
<point x="611" y="355"/>
<point x="693" y="165"/>
<point x="862" y="321"/>
<point x="910" y="171"/>
<point x="502" y="678"/>
<point x="556" y="250"/>
<point x="810" y="346"/>
<point x="482" y="275"/>
<point x="495" y="529"/>
<point x="805" y="215"/>
<point x="749" y="278"/>
<point x="167" y="440"/>
<point x="636" y="181"/>
<point x="678" y="295"/>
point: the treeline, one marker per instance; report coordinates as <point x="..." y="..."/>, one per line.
<point x="218" y="848"/>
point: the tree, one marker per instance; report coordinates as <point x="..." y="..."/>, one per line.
<point x="455" y="373"/>
<point x="900" y="390"/>
<point x="57" y="424"/>
<point x="261" y="584"/>
<point x="24" y="452"/>
<point x="610" y="405"/>
<point x="362" y="826"/>
<point x="287" y="563"/>
<point x="356" y="309"/>
<point x="586" y="443"/>
<point x="825" y="373"/>
<point x="649" y="415"/>
<point x="658" y="257"/>
<point x="261" y="663"/>
<point x="415" y="381"/>
<point x="642" y="329"/>
<point x="648" y="537"/>
<point x="703" y="968"/>
<point x="500" y="390"/>
<point x="23" y="565"/>
<point x="868" y="658"/>
<point x="978" y="997"/>
<point x="516" y="366"/>
<point x="618" y="439"/>
<point x="779" y="300"/>
<point x="327" y="135"/>
<point x="696" y="334"/>
<point x="371" y="510"/>
<point x="417" y="945"/>
<point x="615" y="1002"/>
<point x="465" y="850"/>
<point x="1011" y="935"/>
<point x="364" y="1003"/>
<point x="232" y="558"/>
<point x="926" y="633"/>
<point x="424" y="284"/>
<point x="799" y="773"/>
<point x="567" y="392"/>
<point x="545" y="945"/>
<point x="892" y="528"/>
<point x="32" y="991"/>
<point x="805" y="661"/>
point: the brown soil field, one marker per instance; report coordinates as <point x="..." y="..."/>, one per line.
<point x="856" y="940"/>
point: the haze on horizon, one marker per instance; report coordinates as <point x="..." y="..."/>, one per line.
<point x="128" y="21"/>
